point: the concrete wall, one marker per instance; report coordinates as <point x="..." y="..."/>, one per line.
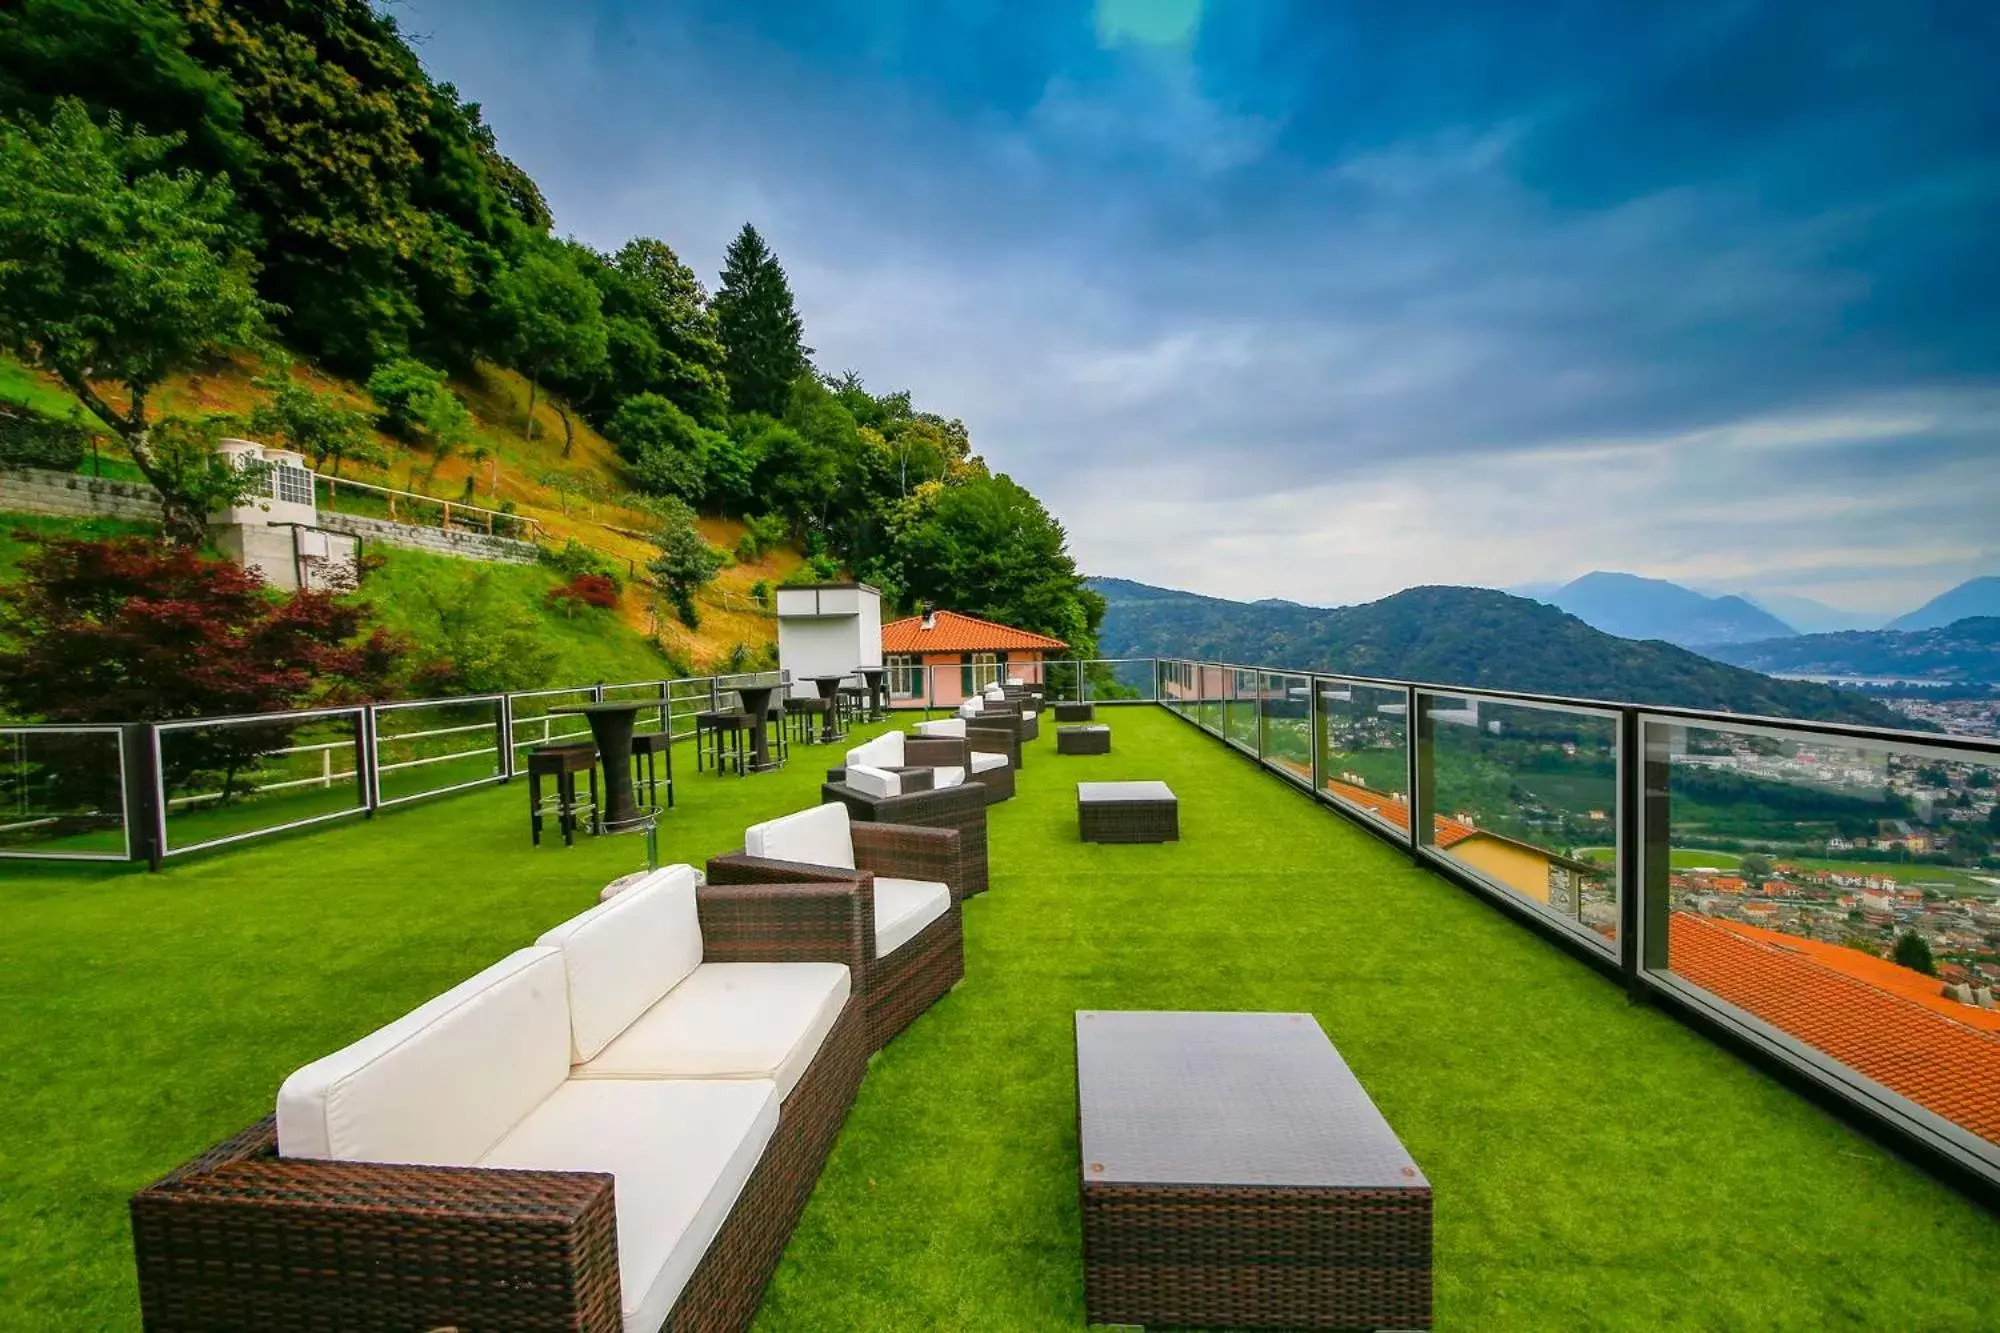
<point x="828" y="630"/>
<point x="31" y="490"/>
<point x="465" y="545"/>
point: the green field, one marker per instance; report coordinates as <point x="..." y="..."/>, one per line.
<point x="1681" y="858"/>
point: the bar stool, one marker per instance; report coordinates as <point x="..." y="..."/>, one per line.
<point x="802" y="712"/>
<point x="853" y="705"/>
<point x="720" y="729"/>
<point x="646" y="744"/>
<point x="774" y="723"/>
<point x="563" y="763"/>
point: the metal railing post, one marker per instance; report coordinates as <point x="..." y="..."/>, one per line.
<point x="158" y="851"/>
<point x="138" y="780"/>
<point x="1417" y="743"/>
<point x="368" y="761"/>
<point x="507" y="768"/>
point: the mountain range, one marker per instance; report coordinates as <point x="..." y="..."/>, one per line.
<point x="1640" y="608"/>
<point x="1456" y="636"/>
<point x="1965" y="651"/>
<point x="1974" y="597"/>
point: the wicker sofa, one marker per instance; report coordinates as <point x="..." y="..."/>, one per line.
<point x="952" y="758"/>
<point x="916" y="951"/>
<point x="694" y="1047"/>
<point x="1001" y="737"/>
<point x="883" y="796"/>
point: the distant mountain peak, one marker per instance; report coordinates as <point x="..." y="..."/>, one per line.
<point x="1974" y="597"/>
<point x="1633" y="606"/>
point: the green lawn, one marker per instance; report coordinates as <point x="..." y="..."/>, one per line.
<point x="1680" y="858"/>
<point x="1596" y="1164"/>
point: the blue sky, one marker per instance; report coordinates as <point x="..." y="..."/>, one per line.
<point x="1322" y="300"/>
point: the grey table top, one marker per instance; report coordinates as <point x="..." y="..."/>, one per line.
<point x="1227" y="1099"/>
<point x="1093" y="726"/>
<point x="1090" y="792"/>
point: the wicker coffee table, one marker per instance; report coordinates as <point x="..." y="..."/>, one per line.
<point x="1235" y="1174"/>
<point x="1094" y="739"/>
<point x="1076" y="712"/>
<point x="1127" y="812"/>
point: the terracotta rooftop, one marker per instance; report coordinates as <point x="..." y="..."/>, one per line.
<point x="1446" y="833"/>
<point x="951" y="632"/>
<point x="1865" y="1012"/>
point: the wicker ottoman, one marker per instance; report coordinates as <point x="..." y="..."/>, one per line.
<point x="1083" y="712"/>
<point x="1234" y="1173"/>
<point x="1083" y="740"/>
<point x="1127" y="812"/>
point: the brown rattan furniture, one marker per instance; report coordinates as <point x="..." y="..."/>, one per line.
<point x="720" y="736"/>
<point x="240" y="1240"/>
<point x="800" y="715"/>
<point x="1235" y="1174"/>
<point x="1076" y="712"/>
<point x="646" y="745"/>
<point x="962" y="807"/>
<point x="562" y="763"/>
<point x="1094" y="738"/>
<point x="1127" y="812"/>
<point x="908" y="981"/>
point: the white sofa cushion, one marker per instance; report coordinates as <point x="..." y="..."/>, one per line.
<point x="1027" y="715"/>
<point x="818" y="836"/>
<point x="874" y="781"/>
<point x="442" y="1084"/>
<point x="983" y="762"/>
<point x="947" y="775"/>
<point x="903" y="907"/>
<point x="732" y="1020"/>
<point x="885" y="751"/>
<point x="972" y="707"/>
<point x="951" y="727"/>
<point x="680" y="1152"/>
<point x="622" y="955"/>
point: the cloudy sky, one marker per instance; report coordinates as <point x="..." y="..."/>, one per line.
<point x="1321" y="300"/>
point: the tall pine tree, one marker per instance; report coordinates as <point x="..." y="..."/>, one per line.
<point x="760" y="329"/>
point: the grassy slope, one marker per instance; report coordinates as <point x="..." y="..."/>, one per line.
<point x="1596" y="1165"/>
<point x="590" y="646"/>
<point x="498" y="400"/>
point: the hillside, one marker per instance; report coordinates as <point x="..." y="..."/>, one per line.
<point x="1457" y="636"/>
<point x="499" y="467"/>
<point x="1639" y="608"/>
<point x="1809" y="615"/>
<point x="1966" y="651"/>
<point x="1974" y="597"/>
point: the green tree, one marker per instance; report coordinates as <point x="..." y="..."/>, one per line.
<point x="666" y="448"/>
<point x="759" y="327"/>
<point x="1755" y="868"/>
<point x="990" y="549"/>
<point x="316" y="424"/>
<point x="1914" y="953"/>
<point x="555" y="318"/>
<point x="661" y="296"/>
<point x="686" y="563"/>
<point x="114" y="270"/>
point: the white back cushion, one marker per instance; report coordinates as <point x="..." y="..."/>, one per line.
<point x="818" y="836"/>
<point x="885" y="751"/>
<point x="947" y="775"/>
<point x="972" y="707"/>
<point x="622" y="955"/>
<point x="953" y="727"/>
<point x="442" y="1084"/>
<point x="983" y="762"/>
<point x="995" y="693"/>
<point x="874" y="781"/>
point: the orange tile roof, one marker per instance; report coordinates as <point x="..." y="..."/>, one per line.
<point x="1447" y="833"/>
<point x="951" y="632"/>
<point x="1884" y="1021"/>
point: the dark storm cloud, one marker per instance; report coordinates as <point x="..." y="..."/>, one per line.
<point x="1226" y="257"/>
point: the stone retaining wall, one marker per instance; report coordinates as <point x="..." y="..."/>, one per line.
<point x="33" y="490"/>
<point x="465" y="545"/>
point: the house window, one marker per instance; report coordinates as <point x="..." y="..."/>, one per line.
<point x="906" y="675"/>
<point x="985" y="670"/>
<point x="293" y="485"/>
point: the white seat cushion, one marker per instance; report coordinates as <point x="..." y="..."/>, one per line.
<point x="622" y="955"/>
<point x="874" y="781"/>
<point x="819" y="836"/>
<point x="732" y="1020"/>
<point x="1027" y="715"/>
<point x="903" y="907"/>
<point x="983" y="762"/>
<point x="681" y="1152"/>
<point x="947" y="775"/>
<point x="952" y="727"/>
<point x="441" y="1084"/>
<point x="885" y="751"/>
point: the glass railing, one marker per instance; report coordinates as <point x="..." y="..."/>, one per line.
<point x="222" y="780"/>
<point x="62" y="794"/>
<point x="428" y="748"/>
<point x="1829" y="894"/>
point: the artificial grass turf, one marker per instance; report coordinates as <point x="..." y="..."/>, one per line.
<point x="1596" y="1165"/>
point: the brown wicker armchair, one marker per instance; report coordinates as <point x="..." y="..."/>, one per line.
<point x="961" y="807"/>
<point x="243" y="1239"/>
<point x="901" y="984"/>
